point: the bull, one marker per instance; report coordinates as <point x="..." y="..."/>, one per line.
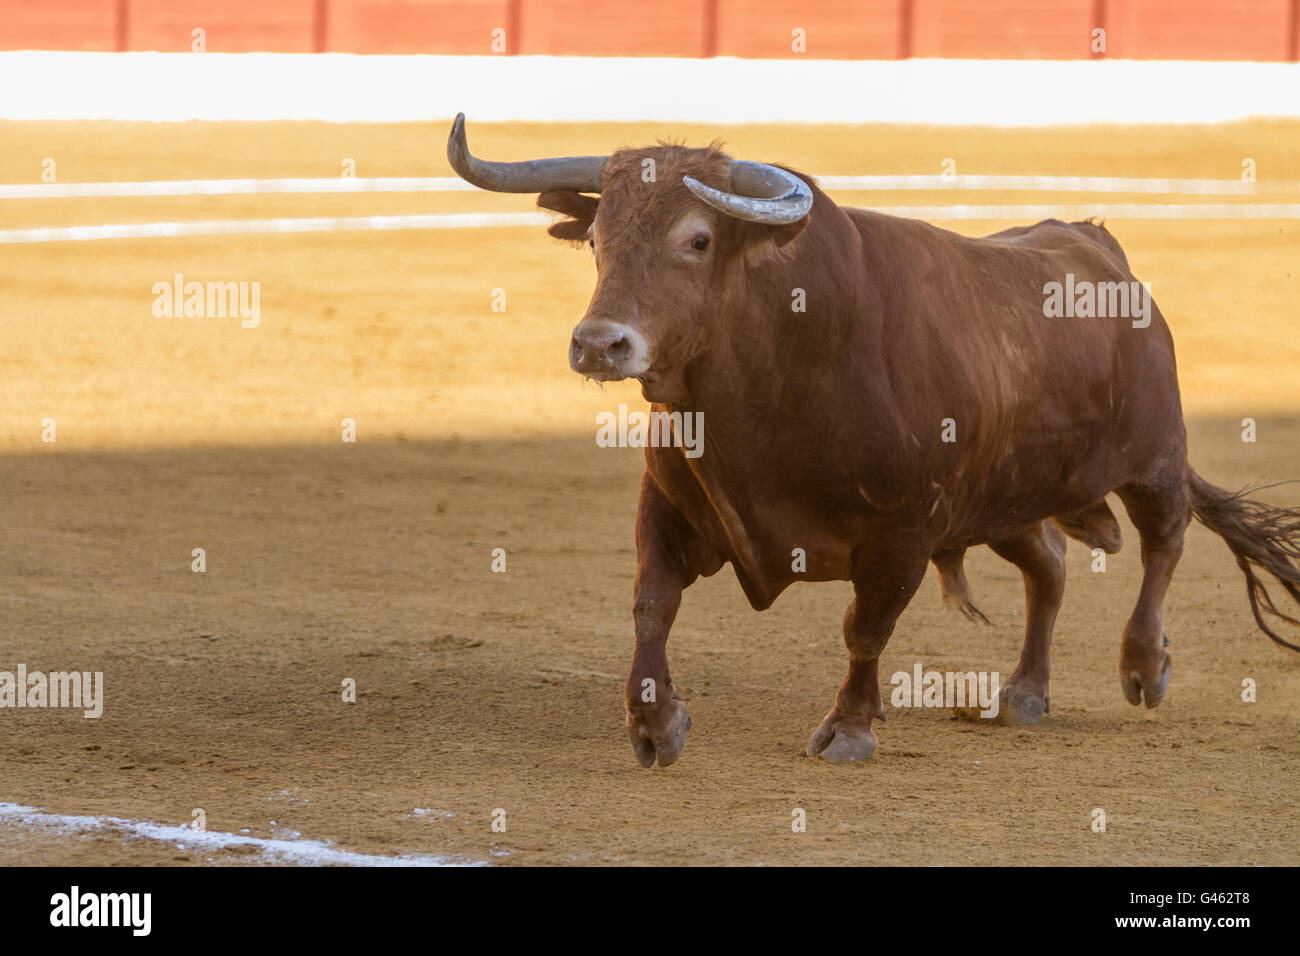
<point x="922" y="402"/>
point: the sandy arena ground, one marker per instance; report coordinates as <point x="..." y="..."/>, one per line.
<point x="479" y="691"/>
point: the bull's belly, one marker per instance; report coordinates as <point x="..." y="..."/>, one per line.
<point x="787" y="542"/>
<point x="799" y="537"/>
<point x="1005" y="503"/>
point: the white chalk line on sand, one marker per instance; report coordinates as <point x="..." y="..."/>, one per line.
<point x="238" y="227"/>
<point x="1104" y="210"/>
<point x="304" y="852"/>
<point x="435" y="184"/>
<point x="235" y="187"/>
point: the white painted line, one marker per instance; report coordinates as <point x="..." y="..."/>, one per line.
<point x="303" y="852"/>
<point x="430" y="184"/>
<point x="1068" y="184"/>
<point x="240" y="227"/>
<point x="233" y="187"/>
<point x="346" y="88"/>
<point x="1104" y="210"/>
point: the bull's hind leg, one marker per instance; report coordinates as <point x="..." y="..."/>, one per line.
<point x="883" y="583"/>
<point x="1160" y="513"/>
<point x="1039" y="552"/>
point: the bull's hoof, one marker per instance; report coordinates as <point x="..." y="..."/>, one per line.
<point x="842" y="742"/>
<point x="663" y="740"/>
<point x="1148" y="689"/>
<point x="1018" y="706"/>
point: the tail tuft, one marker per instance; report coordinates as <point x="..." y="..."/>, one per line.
<point x="1261" y="536"/>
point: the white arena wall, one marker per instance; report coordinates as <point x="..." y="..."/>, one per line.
<point x="346" y="88"/>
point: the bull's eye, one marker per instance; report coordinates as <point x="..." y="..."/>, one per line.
<point x="592" y="243"/>
<point x="701" y="243"/>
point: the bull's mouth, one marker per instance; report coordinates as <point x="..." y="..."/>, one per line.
<point x="664" y="387"/>
<point x="613" y="375"/>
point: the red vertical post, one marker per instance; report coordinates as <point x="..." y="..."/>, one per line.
<point x="320" y="26"/>
<point x="514" y="28"/>
<point x="122" y="26"/>
<point x="1293" y="36"/>
<point x="906" y="17"/>
<point x="709" y="47"/>
<point x="1098" y="20"/>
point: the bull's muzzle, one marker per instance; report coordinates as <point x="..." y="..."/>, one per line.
<point x="608" y="351"/>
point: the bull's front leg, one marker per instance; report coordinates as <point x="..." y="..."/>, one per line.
<point x="883" y="583"/>
<point x="669" y="556"/>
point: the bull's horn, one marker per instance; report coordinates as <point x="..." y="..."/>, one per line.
<point x="759" y="193"/>
<point x="533" y="176"/>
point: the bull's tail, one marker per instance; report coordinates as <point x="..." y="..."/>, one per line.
<point x="1261" y="537"/>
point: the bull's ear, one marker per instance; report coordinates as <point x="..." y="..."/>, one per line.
<point x="783" y="234"/>
<point x="581" y="209"/>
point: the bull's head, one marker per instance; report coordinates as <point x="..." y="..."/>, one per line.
<point x="670" y="231"/>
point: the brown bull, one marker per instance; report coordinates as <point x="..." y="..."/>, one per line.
<point x="923" y="401"/>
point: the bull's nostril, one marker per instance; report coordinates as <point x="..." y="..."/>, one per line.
<point x="575" y="351"/>
<point x="619" y="349"/>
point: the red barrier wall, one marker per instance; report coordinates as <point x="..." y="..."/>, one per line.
<point x="415" y="26"/>
<point x="229" y="26"/>
<point x="59" y="25"/>
<point x="827" y="29"/>
<point x="833" y="29"/>
<point x="583" y="28"/>
<point x="1003" y="29"/>
<point x="1202" y="29"/>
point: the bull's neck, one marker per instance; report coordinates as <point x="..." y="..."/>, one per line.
<point x="802" y="313"/>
